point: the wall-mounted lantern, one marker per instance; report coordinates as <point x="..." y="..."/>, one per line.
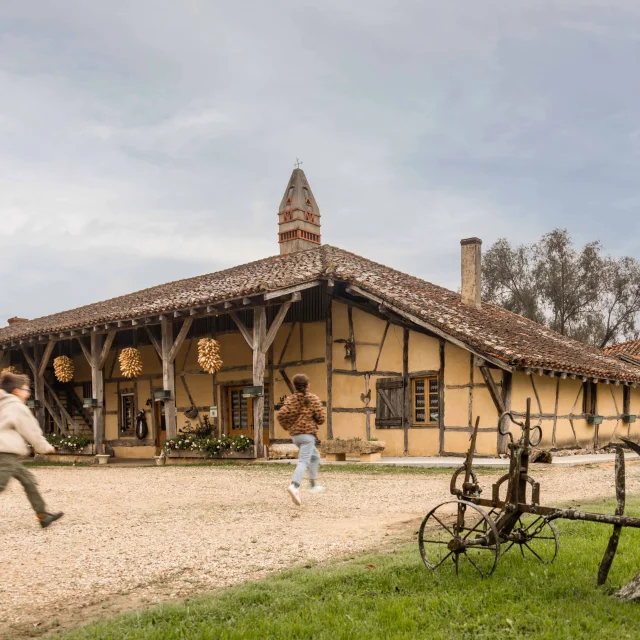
<point x="594" y="420"/>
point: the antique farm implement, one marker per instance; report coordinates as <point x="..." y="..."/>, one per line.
<point x="477" y="531"/>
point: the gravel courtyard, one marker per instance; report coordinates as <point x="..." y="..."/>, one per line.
<point x="134" y="536"/>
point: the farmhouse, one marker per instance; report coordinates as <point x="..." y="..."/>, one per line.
<point x="393" y="357"/>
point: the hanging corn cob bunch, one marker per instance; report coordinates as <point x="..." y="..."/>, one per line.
<point x="63" y="368"/>
<point x="130" y="362"/>
<point x="11" y="369"/>
<point x="209" y="355"/>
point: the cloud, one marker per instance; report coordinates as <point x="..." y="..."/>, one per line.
<point x="148" y="141"/>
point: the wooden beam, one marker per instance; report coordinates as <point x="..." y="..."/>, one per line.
<point x="507" y="379"/>
<point x="247" y="335"/>
<point x="106" y="347"/>
<point x="494" y="392"/>
<point x="271" y="295"/>
<point x="329" y="358"/>
<point x="275" y="326"/>
<point x="45" y="357"/>
<point x="430" y="327"/>
<point x="30" y="361"/>
<point x="169" y="379"/>
<point x="287" y="381"/>
<point x="259" y="362"/>
<point x="38" y="382"/>
<point x="85" y="351"/>
<point x="154" y="341"/>
<point x="180" y="339"/>
<point x="406" y="390"/>
<point x="97" y="389"/>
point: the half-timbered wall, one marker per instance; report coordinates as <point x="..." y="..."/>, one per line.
<point x="557" y="406"/>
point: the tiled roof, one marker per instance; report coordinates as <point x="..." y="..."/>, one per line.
<point x="491" y="330"/>
<point x="629" y="349"/>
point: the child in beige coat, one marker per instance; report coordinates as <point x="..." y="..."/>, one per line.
<point x="17" y="428"/>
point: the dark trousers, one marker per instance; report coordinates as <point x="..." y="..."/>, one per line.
<point x="11" y="467"/>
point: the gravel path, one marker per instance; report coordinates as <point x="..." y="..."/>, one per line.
<point x="136" y="536"/>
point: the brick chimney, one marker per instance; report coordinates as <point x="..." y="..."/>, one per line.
<point x="471" y="269"/>
<point x="16" y="320"/>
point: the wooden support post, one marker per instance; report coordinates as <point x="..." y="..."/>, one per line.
<point x="612" y="547"/>
<point x="406" y="410"/>
<point x="506" y="401"/>
<point x="259" y="340"/>
<point x="441" y="396"/>
<point x="97" y="387"/>
<point x="168" y="378"/>
<point x="38" y="365"/>
<point x="329" y="358"/>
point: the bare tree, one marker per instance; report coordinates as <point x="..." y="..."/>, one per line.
<point x="578" y="293"/>
<point x="509" y="279"/>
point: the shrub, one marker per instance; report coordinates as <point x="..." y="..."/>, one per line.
<point x="209" y="446"/>
<point x="70" y="442"/>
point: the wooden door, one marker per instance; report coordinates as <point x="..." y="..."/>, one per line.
<point x="161" y="425"/>
<point x="241" y="414"/>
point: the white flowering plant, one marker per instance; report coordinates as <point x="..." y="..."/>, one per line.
<point x="69" y="442"/>
<point x="211" y="446"/>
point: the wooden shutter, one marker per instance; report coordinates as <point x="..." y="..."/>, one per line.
<point x="390" y="401"/>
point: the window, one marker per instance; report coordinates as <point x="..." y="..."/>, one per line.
<point x="425" y="401"/>
<point x="241" y="412"/>
<point x="589" y="398"/>
<point x="127" y="412"/>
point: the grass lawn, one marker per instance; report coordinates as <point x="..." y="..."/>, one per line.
<point x="393" y="596"/>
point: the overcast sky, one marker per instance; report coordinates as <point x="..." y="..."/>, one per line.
<point x="143" y="141"/>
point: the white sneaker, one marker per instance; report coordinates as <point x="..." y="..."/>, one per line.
<point x="294" y="492"/>
<point x="317" y="488"/>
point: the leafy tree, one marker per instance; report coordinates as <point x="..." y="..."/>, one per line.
<point x="578" y="293"/>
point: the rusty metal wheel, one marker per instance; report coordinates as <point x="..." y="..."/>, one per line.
<point x="536" y="537"/>
<point x="462" y="532"/>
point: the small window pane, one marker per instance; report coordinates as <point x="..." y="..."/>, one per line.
<point x="433" y="401"/>
<point x="433" y="416"/>
<point x="419" y="386"/>
<point x="419" y="401"/>
<point x="433" y="385"/>
<point x="420" y="415"/>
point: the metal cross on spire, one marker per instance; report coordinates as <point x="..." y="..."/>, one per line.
<point x="297" y="163"/>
